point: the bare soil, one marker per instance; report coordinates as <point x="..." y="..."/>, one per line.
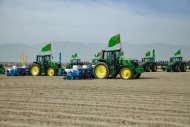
<point x="158" y="99"/>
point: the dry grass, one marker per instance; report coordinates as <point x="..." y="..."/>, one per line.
<point x="156" y="100"/>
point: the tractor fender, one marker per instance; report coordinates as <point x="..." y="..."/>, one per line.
<point x="103" y="61"/>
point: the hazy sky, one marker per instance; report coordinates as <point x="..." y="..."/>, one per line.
<point x="138" y="21"/>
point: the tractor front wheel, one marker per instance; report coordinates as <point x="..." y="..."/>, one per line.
<point x="35" y="70"/>
<point x="51" y="71"/>
<point x="126" y="73"/>
<point x="101" y="70"/>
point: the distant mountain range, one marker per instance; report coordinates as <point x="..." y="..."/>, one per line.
<point x="86" y="51"/>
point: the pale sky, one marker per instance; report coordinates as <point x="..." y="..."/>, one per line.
<point x="87" y="21"/>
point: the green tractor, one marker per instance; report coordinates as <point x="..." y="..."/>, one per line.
<point x="111" y="63"/>
<point x="74" y="61"/>
<point x="96" y="58"/>
<point x="45" y="66"/>
<point x="148" y="63"/>
<point x="2" y="69"/>
<point x="176" y="64"/>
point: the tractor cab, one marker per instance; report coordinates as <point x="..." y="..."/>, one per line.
<point x="176" y="59"/>
<point x="111" y="56"/>
<point x="43" y="59"/>
<point x="74" y="62"/>
<point x="150" y="59"/>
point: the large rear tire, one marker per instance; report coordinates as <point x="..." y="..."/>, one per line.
<point x="154" y="68"/>
<point x="51" y="71"/>
<point x="126" y="73"/>
<point x="35" y="70"/>
<point x="177" y="68"/>
<point x="183" y="67"/>
<point x="147" y="68"/>
<point x="101" y="70"/>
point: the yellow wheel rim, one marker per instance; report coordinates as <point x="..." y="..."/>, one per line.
<point x="51" y="72"/>
<point x="35" y="70"/>
<point x="125" y="73"/>
<point x="100" y="71"/>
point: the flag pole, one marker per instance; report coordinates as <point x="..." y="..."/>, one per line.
<point x="120" y="45"/>
<point x="51" y="50"/>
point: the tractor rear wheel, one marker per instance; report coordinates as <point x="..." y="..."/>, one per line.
<point x="51" y="71"/>
<point x="154" y="68"/>
<point x="35" y="70"/>
<point x="177" y="68"/>
<point x="147" y="68"/>
<point x="101" y="70"/>
<point x="169" y="68"/>
<point x="183" y="67"/>
<point x="126" y="73"/>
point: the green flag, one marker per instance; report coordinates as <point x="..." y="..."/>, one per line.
<point x="46" y="48"/>
<point x="96" y="55"/>
<point x="114" y="40"/>
<point x="177" y="52"/>
<point x="74" y="56"/>
<point x="147" y="54"/>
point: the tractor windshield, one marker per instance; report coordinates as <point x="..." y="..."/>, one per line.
<point x="47" y="58"/>
<point x="147" y="59"/>
<point x="176" y="59"/>
<point x="39" y="58"/>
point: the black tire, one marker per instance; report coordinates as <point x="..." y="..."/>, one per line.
<point x="131" y="76"/>
<point x="177" y="67"/>
<point x="35" y="65"/>
<point x="49" y="74"/>
<point x="168" y="69"/>
<point x="22" y="72"/>
<point x="137" y="76"/>
<point x="154" y="68"/>
<point x="183" y="67"/>
<point x="164" y="68"/>
<point x="95" y="70"/>
<point x="147" y="68"/>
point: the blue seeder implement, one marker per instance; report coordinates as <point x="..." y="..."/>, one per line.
<point x="21" y="71"/>
<point x="82" y="73"/>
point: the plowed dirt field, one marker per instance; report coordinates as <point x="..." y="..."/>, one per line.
<point x="158" y="99"/>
